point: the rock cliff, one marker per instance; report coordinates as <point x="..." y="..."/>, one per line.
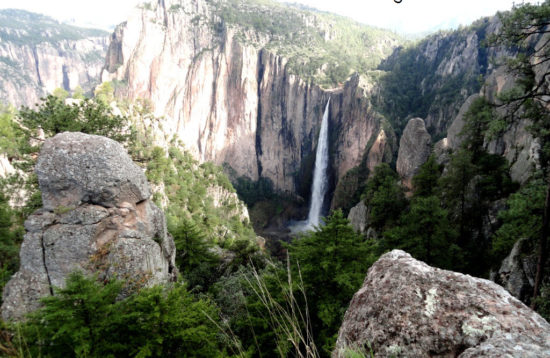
<point x="408" y="308"/>
<point x="38" y="55"/>
<point x="228" y="92"/>
<point x="414" y="150"/>
<point x="97" y="218"/>
<point x="517" y="271"/>
<point x="432" y="79"/>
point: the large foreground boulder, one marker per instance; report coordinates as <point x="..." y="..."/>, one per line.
<point x="409" y="309"/>
<point x="97" y="218"/>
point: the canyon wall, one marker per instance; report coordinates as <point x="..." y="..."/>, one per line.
<point x="38" y="55"/>
<point x="232" y="100"/>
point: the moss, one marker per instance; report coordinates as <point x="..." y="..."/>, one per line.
<point x="61" y="209"/>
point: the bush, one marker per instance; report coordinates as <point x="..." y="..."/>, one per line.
<point x="86" y="319"/>
<point x="89" y="116"/>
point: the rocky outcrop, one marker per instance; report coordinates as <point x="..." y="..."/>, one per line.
<point x="382" y="149"/>
<point x="407" y="308"/>
<point x="38" y="55"/>
<point x="231" y="99"/>
<point x="358" y="217"/>
<point x="454" y="137"/>
<point x="414" y="150"/>
<point x="517" y="271"/>
<point x="97" y="218"/>
<point x="221" y="197"/>
<point x="516" y="144"/>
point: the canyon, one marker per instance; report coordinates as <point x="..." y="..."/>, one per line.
<point x="285" y="100"/>
<point x="232" y="93"/>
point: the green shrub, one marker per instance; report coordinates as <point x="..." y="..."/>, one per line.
<point x="87" y="319"/>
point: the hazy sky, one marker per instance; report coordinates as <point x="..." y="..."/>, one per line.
<point x="409" y="16"/>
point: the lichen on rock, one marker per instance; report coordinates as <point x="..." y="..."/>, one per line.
<point x="419" y="311"/>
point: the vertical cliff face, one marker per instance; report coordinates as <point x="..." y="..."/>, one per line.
<point x="432" y="79"/>
<point x="227" y="95"/>
<point x="38" y="55"/>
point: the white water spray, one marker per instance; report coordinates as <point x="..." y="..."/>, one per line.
<point x="319" y="185"/>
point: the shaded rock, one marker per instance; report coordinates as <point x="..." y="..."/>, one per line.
<point x="407" y="307"/>
<point x="517" y="271"/>
<point x="491" y="222"/>
<point x="97" y="219"/>
<point x="371" y="233"/>
<point x="453" y="133"/>
<point x="382" y="149"/>
<point x="358" y="217"/>
<point x="414" y="150"/>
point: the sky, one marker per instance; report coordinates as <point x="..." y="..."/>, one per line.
<point x="409" y="16"/>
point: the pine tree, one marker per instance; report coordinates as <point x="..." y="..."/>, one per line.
<point x="384" y="197"/>
<point x="332" y="261"/>
<point x="526" y="30"/>
<point x="425" y="232"/>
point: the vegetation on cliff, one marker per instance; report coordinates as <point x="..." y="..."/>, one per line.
<point x="27" y="28"/>
<point x="432" y="77"/>
<point x="321" y="47"/>
<point x="526" y="29"/>
<point x="236" y="300"/>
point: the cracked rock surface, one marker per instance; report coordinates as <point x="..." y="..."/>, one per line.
<point x="97" y="218"/>
<point x="409" y="309"/>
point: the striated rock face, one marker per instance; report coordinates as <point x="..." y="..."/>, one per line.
<point x="97" y="218"/>
<point x="382" y="150"/>
<point x="516" y="144"/>
<point x="38" y="55"/>
<point x="408" y="308"/>
<point x="414" y="150"/>
<point x="230" y="99"/>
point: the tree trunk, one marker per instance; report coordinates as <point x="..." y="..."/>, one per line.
<point x="542" y="254"/>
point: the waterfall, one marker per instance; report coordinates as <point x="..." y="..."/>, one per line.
<point x="319" y="184"/>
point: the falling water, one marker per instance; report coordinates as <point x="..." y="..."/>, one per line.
<point x="319" y="188"/>
<point x="319" y="185"/>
